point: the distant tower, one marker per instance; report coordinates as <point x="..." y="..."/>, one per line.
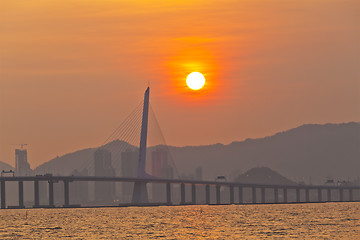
<point x="198" y="173"/>
<point x="79" y="190"/>
<point x="22" y="167"/>
<point x="104" y="191"/>
<point x="129" y="166"/>
<point x="160" y="165"/>
<point x="160" y="169"/>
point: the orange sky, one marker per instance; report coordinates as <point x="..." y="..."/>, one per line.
<point x="71" y="71"/>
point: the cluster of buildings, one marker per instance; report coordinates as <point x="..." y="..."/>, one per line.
<point x="104" y="192"/>
<point x="108" y="191"/>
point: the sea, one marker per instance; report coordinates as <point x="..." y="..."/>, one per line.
<point x="262" y="221"/>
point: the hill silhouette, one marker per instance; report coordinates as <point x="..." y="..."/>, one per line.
<point x="5" y="166"/>
<point x="262" y="175"/>
<point x="81" y="159"/>
<point x="309" y="153"/>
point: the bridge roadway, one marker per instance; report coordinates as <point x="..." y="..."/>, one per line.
<point x="231" y="185"/>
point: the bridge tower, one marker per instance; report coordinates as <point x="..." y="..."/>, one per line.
<point x="140" y="194"/>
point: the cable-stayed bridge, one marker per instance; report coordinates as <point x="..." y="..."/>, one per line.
<point x="135" y="129"/>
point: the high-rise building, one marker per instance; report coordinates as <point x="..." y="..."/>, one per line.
<point x="161" y="169"/>
<point x="129" y="165"/>
<point x="198" y="173"/>
<point x="79" y="190"/>
<point x="159" y="164"/>
<point x="22" y="167"/>
<point x="104" y="191"/>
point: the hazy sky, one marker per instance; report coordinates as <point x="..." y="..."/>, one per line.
<point x="71" y="71"/>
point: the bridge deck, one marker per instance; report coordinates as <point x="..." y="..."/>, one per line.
<point x="172" y="181"/>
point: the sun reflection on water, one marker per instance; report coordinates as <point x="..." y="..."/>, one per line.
<point x="326" y="221"/>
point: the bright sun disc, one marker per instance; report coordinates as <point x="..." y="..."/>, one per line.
<point x="195" y="80"/>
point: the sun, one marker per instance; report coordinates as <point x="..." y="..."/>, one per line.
<point x="195" y="80"/>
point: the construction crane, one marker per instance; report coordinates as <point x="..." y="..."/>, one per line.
<point x="20" y="144"/>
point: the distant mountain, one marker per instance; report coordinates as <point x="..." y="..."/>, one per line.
<point x="307" y="153"/>
<point x="263" y="175"/>
<point x="5" y="166"/>
<point x="82" y="159"/>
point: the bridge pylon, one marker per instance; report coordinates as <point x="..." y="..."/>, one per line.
<point x="140" y="194"/>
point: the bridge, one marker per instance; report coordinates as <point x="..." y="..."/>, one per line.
<point x="223" y="192"/>
<point x="231" y="186"/>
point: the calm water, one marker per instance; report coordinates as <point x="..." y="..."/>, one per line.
<point x="323" y="221"/>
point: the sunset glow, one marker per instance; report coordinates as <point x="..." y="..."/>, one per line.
<point x="223" y="113"/>
<point x="267" y="67"/>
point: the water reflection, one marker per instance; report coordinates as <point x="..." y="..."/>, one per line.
<point x="329" y="220"/>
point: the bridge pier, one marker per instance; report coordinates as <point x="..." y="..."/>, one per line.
<point x="3" y="199"/>
<point x="193" y="194"/>
<point x="168" y="193"/>
<point x="66" y="193"/>
<point x="241" y="195"/>
<point x="341" y="193"/>
<point x="36" y="193"/>
<point x="329" y="195"/>
<point x="285" y="195"/>
<point x="298" y="195"/>
<point x="350" y="195"/>
<point x="307" y="195"/>
<point x="51" y="193"/>
<point x="207" y="194"/>
<point x="319" y="195"/>
<point x="253" y="194"/>
<point x="218" y="200"/>
<point x="231" y="194"/>
<point x="21" y="194"/>
<point x="262" y="195"/>
<point x="276" y="195"/>
<point x="140" y="194"/>
<point x="182" y="193"/>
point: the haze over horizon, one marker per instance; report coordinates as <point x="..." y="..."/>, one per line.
<point x="70" y="72"/>
<point x="309" y="153"/>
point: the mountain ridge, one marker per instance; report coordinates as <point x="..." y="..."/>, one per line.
<point x="310" y="152"/>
